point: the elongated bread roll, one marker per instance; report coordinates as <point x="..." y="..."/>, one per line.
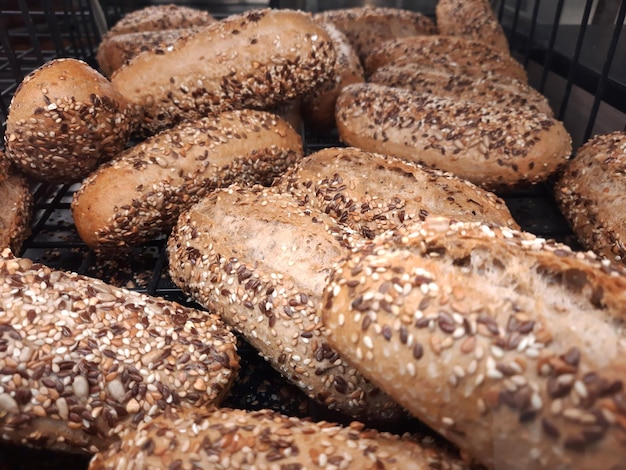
<point x="491" y="146"/>
<point x="82" y="362"/>
<point x="372" y="193"/>
<point x="160" y="18"/>
<point x="592" y="195"/>
<point x="509" y="345"/>
<point x="261" y="261"/>
<point x="257" y="59"/>
<point x="140" y="194"/>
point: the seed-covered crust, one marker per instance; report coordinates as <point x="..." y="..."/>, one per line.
<point x="491" y="146"/>
<point x="509" y="345"/>
<point x="372" y="193"/>
<point x="474" y="19"/>
<point x="82" y="362"/>
<point x="448" y="52"/>
<point x="5" y="166"/>
<point x="591" y="194"/>
<point x="140" y="194"/>
<point x="15" y="212"/>
<point x="160" y="18"/>
<point x="256" y="59"/>
<point x="495" y="90"/>
<point x="228" y="438"/>
<point x="261" y="260"/>
<point x="64" y="120"/>
<point x="368" y="27"/>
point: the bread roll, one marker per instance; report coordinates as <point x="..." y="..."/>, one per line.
<point x="139" y="195"/>
<point x="493" y="147"/>
<point x="82" y="362"/>
<point x="372" y="193"/>
<point x="450" y="52"/>
<point x="509" y="345"/>
<point x="367" y="27"/>
<point x="261" y="261"/>
<point x="228" y="438"/>
<point x="591" y="193"/>
<point x="17" y="207"/>
<point x="5" y="166"/>
<point x="64" y="120"/>
<point x="257" y="59"/>
<point x="161" y="18"/>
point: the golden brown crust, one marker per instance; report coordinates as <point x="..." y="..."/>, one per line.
<point x="15" y="213"/>
<point x="591" y="193"/>
<point x="492" y="147"/>
<point x="83" y="362"/>
<point x="160" y="18"/>
<point x="491" y="337"/>
<point x="140" y="194"/>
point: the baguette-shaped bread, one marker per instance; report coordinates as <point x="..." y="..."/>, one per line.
<point x="491" y="146"/>
<point x="591" y="193"/>
<point x="368" y="27"/>
<point x="139" y="195"/>
<point x="372" y="193"/>
<point x="256" y="59"/>
<point x="261" y="260"/>
<point x="82" y="362"/>
<point x="16" y="211"/>
<point x="227" y="438"/>
<point x="161" y="18"/>
<point x="509" y="345"/>
<point x="449" y="52"/>
<point x="497" y="90"/>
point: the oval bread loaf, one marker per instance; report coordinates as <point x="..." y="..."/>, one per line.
<point x="372" y="193"/>
<point x="261" y="261"/>
<point x="256" y="59"/>
<point x="82" y="362"/>
<point x="228" y="438"/>
<point x="64" y="120"/>
<point x="161" y="18"/>
<point x="509" y="345"/>
<point x="591" y="193"/>
<point x="493" y="147"/>
<point x="139" y="195"/>
<point x="16" y="211"/>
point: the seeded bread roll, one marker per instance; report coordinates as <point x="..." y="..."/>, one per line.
<point x="5" y="166"/>
<point x="64" y="120"/>
<point x="591" y="194"/>
<point x="256" y="59"/>
<point x="139" y="195"/>
<point x="161" y="18"/>
<point x="82" y="362"/>
<point x="491" y="146"/>
<point x="372" y="193"/>
<point x="261" y="261"/>
<point x="509" y="345"/>
<point x="16" y="211"/>
<point x="449" y="52"/>
<point x="367" y="27"/>
<point x="228" y="438"/>
<point x="474" y="19"/>
<point x="498" y="90"/>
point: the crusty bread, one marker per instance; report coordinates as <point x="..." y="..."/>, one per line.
<point x="64" y="120"/>
<point x="256" y="59"/>
<point x="498" y="90"/>
<point x="372" y="193"/>
<point x="493" y="147"/>
<point x="16" y="211"/>
<point x="367" y="27"/>
<point x="261" y="260"/>
<point x="161" y="18"/>
<point x="227" y="438"/>
<point x="449" y="52"/>
<point x="139" y="195"/>
<point x="591" y="193"/>
<point x="509" y="345"/>
<point x="83" y="362"/>
<point x="5" y="166"/>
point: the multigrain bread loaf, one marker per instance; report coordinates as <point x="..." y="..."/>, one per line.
<point x="372" y="193"/>
<point x="491" y="89"/>
<point x="139" y="195"/>
<point x="509" y="345"/>
<point x="591" y="194"/>
<point x="16" y="211"/>
<point x="261" y="261"/>
<point x="449" y="52"/>
<point x="491" y="146"/>
<point x="82" y="362"/>
<point x="64" y="120"/>
<point x="256" y="59"/>
<point x="228" y="438"/>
